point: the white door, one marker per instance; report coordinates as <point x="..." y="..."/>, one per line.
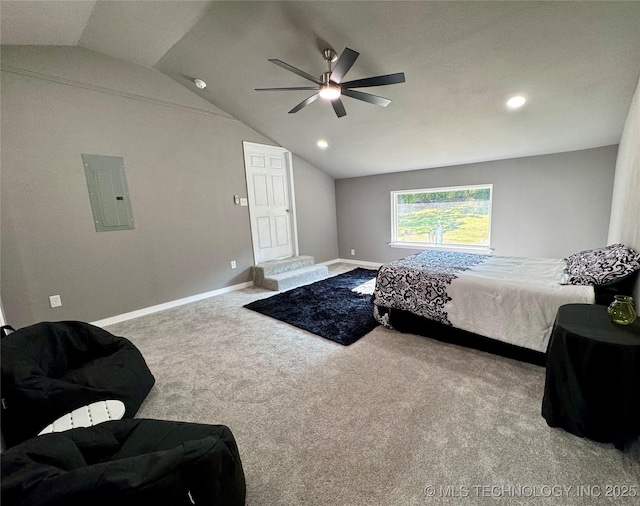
<point x="270" y="193"/>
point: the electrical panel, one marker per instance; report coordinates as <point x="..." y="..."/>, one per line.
<point x="108" y="192"/>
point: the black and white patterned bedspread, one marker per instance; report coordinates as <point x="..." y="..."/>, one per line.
<point x="418" y="283"/>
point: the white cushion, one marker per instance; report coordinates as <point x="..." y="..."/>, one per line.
<point x="87" y="416"/>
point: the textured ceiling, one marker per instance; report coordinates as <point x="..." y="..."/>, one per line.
<point x="577" y="62"/>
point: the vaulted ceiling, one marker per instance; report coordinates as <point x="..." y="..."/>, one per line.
<point x="577" y="63"/>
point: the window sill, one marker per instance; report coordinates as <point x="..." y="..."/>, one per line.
<point x="461" y="249"/>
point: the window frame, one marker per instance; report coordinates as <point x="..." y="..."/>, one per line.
<point x="476" y="248"/>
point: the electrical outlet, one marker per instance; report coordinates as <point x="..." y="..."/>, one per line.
<point x="353" y="252"/>
<point x="55" y="301"/>
<point x="233" y="264"/>
<point x="243" y="202"/>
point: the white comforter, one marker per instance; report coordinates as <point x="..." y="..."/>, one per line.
<point x="510" y="299"/>
<point x="513" y="299"/>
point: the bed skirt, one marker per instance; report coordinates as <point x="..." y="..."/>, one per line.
<point x="405" y="321"/>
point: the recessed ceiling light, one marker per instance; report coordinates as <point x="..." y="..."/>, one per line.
<point x="200" y="83"/>
<point x="516" y="102"/>
<point x="322" y="144"/>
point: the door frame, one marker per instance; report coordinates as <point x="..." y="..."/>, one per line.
<point x="293" y="224"/>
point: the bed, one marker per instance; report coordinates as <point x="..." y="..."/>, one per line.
<point x="512" y="300"/>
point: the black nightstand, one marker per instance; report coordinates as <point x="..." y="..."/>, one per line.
<point x="592" y="386"/>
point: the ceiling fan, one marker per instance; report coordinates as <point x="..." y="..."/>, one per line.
<point x="330" y="85"/>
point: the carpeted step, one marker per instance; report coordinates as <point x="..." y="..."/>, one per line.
<point x="269" y="269"/>
<point x="294" y="278"/>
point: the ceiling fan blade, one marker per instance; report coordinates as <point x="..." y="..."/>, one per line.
<point x="367" y="97"/>
<point x="301" y="73"/>
<point x="304" y="103"/>
<point x="289" y="89"/>
<point x="375" y="81"/>
<point x="344" y="63"/>
<point x="338" y="107"/>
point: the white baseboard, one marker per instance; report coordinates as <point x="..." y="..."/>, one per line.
<point x="194" y="298"/>
<point x="168" y="305"/>
<point x="374" y="265"/>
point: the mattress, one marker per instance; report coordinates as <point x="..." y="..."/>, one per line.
<point x="510" y="299"/>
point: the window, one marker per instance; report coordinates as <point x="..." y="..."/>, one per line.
<point x="458" y="217"/>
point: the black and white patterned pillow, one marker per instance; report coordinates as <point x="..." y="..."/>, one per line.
<point x="602" y="265"/>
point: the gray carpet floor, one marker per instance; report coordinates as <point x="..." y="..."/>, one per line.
<point x="394" y="419"/>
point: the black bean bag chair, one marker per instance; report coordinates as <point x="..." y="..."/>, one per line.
<point x="50" y="369"/>
<point x="126" y="463"/>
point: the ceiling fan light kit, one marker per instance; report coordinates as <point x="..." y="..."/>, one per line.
<point x="329" y="92"/>
<point x="331" y="87"/>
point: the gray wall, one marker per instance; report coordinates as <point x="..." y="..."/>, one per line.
<point x="316" y="211"/>
<point x="543" y="206"/>
<point x="184" y="163"/>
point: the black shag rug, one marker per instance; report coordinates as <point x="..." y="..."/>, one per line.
<point x="328" y="308"/>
